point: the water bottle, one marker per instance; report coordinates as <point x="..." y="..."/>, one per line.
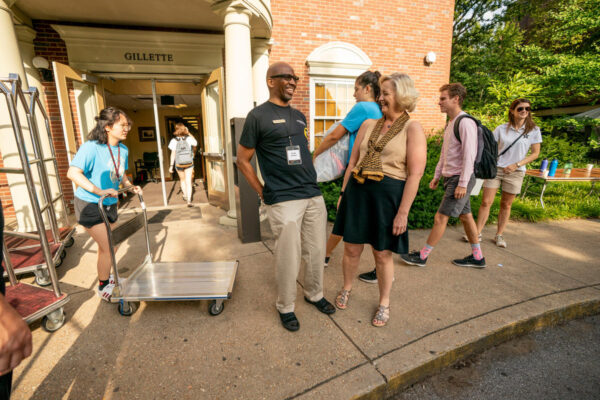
<point x="544" y="165"/>
<point x="568" y="168"/>
<point x="553" y="166"/>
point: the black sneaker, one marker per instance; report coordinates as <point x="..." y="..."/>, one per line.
<point x="470" y="261"/>
<point x="327" y="262"/>
<point x="369" y="277"/>
<point x="414" y="258"/>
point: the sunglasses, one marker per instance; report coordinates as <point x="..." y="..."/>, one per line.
<point x="519" y="109"/>
<point x="287" y="77"/>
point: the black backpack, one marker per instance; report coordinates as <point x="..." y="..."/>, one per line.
<point x="487" y="149"/>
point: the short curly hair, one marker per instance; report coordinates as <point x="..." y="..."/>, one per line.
<point x="407" y="95"/>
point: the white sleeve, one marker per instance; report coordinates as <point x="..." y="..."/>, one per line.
<point x="192" y="141"/>
<point x="536" y="135"/>
<point x="172" y="144"/>
<point x="496" y="132"/>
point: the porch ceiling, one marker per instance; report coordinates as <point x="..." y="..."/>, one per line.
<point x="188" y="14"/>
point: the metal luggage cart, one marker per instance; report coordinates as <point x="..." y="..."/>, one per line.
<point x="33" y="302"/>
<point x="170" y="281"/>
<point x="25" y="249"/>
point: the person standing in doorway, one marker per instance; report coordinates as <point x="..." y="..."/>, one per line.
<point x="295" y="206"/>
<point x="515" y="138"/>
<point x="183" y="147"/>
<point x="366" y="92"/>
<point x="455" y="165"/>
<point x="98" y="169"/>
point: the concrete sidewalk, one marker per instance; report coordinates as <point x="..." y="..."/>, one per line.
<point x="176" y="350"/>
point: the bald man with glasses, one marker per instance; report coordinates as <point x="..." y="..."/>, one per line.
<point x="295" y="206"/>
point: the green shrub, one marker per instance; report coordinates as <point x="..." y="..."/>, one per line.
<point x="562" y="200"/>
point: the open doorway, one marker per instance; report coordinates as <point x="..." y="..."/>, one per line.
<point x="182" y="103"/>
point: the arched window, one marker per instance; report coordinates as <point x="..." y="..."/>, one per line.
<point x="332" y="68"/>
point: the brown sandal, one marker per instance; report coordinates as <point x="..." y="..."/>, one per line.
<point x="341" y="301"/>
<point x="382" y="316"/>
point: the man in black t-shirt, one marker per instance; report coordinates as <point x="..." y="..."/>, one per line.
<point x="295" y="206"/>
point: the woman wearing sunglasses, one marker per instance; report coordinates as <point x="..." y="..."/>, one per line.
<point x="516" y="139"/>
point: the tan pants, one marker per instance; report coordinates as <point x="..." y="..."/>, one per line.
<point x="299" y="227"/>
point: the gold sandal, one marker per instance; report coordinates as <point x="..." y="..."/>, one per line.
<point x="341" y="301"/>
<point x="382" y="316"/>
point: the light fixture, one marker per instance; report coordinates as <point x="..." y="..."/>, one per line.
<point x="430" y="58"/>
<point x="43" y="67"/>
<point x="40" y="62"/>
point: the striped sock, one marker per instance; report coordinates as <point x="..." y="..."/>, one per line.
<point x="425" y="251"/>
<point x="476" y="249"/>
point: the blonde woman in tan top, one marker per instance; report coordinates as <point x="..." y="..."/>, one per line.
<point x="380" y="185"/>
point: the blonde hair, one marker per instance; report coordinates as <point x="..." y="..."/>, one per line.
<point x="406" y="94"/>
<point x="181" y="130"/>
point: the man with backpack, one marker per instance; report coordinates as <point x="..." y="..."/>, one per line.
<point x="456" y="165"/>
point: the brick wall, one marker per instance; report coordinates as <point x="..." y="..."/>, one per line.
<point x="396" y="35"/>
<point x="48" y="44"/>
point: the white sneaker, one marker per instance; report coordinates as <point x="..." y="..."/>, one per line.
<point x="111" y="279"/>
<point x="106" y="293"/>
<point x="500" y="242"/>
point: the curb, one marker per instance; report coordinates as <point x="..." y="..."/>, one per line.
<point x="551" y="318"/>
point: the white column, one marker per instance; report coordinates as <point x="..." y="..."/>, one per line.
<point x="239" y="95"/>
<point x="260" y="65"/>
<point x="11" y="62"/>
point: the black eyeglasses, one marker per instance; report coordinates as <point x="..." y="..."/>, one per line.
<point x="519" y="109"/>
<point x="287" y="77"/>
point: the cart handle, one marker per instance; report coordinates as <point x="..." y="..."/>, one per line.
<point x="111" y="244"/>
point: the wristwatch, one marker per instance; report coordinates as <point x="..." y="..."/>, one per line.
<point x="518" y="165"/>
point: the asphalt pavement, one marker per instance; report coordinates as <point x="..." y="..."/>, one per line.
<point x="561" y="362"/>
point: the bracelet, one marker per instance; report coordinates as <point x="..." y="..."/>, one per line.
<point x="341" y="193"/>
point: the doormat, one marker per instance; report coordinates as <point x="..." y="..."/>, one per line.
<point x="176" y="214"/>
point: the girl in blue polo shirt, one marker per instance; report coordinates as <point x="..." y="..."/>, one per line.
<point x="366" y="93"/>
<point x="98" y="169"/>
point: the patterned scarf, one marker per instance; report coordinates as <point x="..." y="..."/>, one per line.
<point x="370" y="167"/>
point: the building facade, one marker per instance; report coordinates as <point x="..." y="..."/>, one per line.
<point x="205" y="62"/>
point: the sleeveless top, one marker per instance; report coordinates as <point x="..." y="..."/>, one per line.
<point x="393" y="155"/>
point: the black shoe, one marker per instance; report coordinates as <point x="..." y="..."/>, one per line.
<point x="326" y="262"/>
<point x="369" y="277"/>
<point x="289" y="321"/>
<point x="322" y="305"/>
<point x="413" y="258"/>
<point x="470" y="261"/>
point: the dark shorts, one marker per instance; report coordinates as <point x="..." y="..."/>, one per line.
<point x="451" y="206"/>
<point x="183" y="168"/>
<point x="88" y="214"/>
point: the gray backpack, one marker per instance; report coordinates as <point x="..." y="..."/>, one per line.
<point x="183" y="152"/>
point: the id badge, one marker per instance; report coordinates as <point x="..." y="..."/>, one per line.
<point x="293" y="155"/>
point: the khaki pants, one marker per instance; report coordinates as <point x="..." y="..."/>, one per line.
<point x="299" y="227"/>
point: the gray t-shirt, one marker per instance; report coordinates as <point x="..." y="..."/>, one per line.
<point x="505" y="135"/>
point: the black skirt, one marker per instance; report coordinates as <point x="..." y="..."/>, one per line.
<point x="366" y="214"/>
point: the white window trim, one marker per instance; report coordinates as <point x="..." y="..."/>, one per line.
<point x="313" y="81"/>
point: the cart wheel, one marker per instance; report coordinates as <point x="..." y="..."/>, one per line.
<point x="42" y="278"/>
<point x="63" y="254"/>
<point x="127" y="308"/>
<point x="53" y="321"/>
<point x="58" y="262"/>
<point x="214" y="308"/>
<point x="70" y="242"/>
